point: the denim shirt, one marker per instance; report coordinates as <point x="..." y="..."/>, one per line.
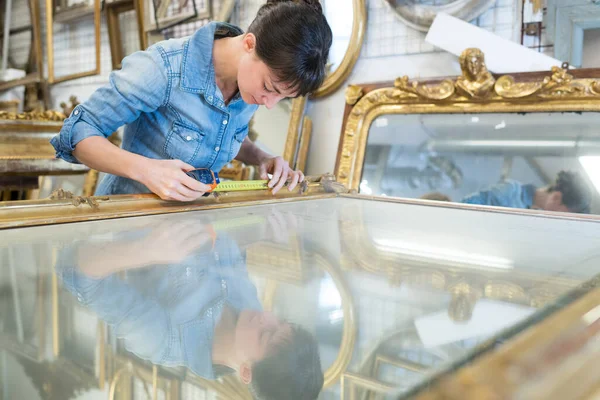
<point x="511" y="194"/>
<point x="167" y="314"/>
<point x="172" y="108"/>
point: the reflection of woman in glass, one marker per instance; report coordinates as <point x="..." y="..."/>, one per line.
<point x="569" y="193"/>
<point x="186" y="300"/>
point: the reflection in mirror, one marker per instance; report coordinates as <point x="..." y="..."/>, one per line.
<point x="321" y="314"/>
<point x="340" y="16"/>
<point x="386" y="294"/>
<point x="526" y="160"/>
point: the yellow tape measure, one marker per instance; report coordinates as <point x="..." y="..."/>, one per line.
<point x="238" y="186"/>
<point x="211" y="179"/>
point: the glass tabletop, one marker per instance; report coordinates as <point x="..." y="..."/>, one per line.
<point x="359" y="296"/>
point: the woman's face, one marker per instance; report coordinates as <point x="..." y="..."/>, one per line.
<point x="257" y="333"/>
<point x="256" y="83"/>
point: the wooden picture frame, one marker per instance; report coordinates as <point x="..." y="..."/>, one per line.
<point x="113" y="10"/>
<point x="52" y="79"/>
<point x="36" y="56"/>
<point x="161" y="21"/>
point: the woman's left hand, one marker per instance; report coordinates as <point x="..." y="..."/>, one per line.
<point x="281" y="172"/>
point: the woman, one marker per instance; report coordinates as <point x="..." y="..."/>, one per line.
<point x="187" y="103"/>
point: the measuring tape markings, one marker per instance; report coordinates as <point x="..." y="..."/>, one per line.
<point x="235" y="186"/>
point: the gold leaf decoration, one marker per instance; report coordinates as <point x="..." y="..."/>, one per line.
<point x="441" y="91"/>
<point x="353" y="94"/>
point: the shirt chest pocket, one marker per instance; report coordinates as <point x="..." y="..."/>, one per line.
<point x="183" y="143"/>
<point x="236" y="142"/>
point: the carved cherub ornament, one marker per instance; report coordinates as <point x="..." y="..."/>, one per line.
<point x="476" y="80"/>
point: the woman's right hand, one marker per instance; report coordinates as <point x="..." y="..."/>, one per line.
<point x="168" y="179"/>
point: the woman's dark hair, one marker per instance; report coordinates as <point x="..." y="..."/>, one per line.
<point x="293" y="39"/>
<point x="576" y="193"/>
<point x="292" y="371"/>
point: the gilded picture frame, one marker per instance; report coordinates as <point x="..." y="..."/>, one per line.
<point x="36" y="54"/>
<point x="481" y="92"/>
<point x="52" y="78"/>
<point x="113" y="10"/>
<point x="300" y="126"/>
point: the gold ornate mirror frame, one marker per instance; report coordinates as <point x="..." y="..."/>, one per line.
<point x="475" y="91"/>
<point x="300" y="127"/>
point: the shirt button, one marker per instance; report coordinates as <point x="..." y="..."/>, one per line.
<point x="224" y="122"/>
<point x="223" y="284"/>
<point x="188" y="271"/>
<point x="217" y="148"/>
<point x="209" y="98"/>
<point x="188" y="138"/>
<point x="76" y="112"/>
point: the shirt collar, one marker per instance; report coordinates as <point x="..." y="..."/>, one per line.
<point x="198" y="71"/>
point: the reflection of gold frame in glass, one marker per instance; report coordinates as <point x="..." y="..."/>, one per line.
<point x="36" y="353"/>
<point x="333" y="373"/>
<point x="50" y="45"/>
<point x="154" y="382"/>
<point x="100" y="349"/>
<point x="473" y="92"/>
<point x="360" y="251"/>
<point x="552" y="360"/>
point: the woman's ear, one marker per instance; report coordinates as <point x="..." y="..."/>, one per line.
<point x="249" y="42"/>
<point x="245" y="373"/>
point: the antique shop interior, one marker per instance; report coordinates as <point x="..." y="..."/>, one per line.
<point x="423" y="222"/>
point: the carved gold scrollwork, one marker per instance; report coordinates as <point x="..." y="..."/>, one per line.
<point x="33" y="116"/>
<point x="507" y="87"/>
<point x="595" y="88"/>
<point x="477" y="83"/>
<point x="441" y="91"/>
<point x="559" y="84"/>
<point x="60" y="194"/>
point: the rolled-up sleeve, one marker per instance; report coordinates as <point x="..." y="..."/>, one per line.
<point x="141" y="85"/>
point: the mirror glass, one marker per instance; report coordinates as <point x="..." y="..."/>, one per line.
<point x="505" y="159"/>
<point x="386" y="291"/>
<point x="322" y="315"/>
<point x="340" y="15"/>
